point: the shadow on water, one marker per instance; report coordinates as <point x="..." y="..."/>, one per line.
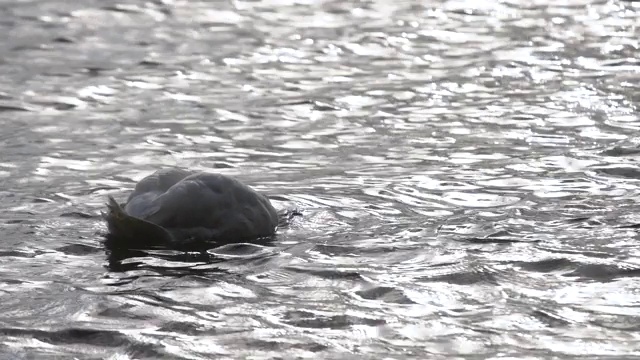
<point x="123" y="260"/>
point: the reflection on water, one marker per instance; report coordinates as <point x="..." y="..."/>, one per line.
<point x="467" y="173"/>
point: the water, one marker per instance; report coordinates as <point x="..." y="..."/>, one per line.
<point x="466" y="171"/>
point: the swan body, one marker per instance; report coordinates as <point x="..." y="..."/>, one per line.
<point x="175" y="207"/>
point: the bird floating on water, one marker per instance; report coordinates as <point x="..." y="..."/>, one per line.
<point x="179" y="208"/>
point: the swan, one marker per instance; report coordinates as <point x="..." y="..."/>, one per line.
<point x="179" y="208"/>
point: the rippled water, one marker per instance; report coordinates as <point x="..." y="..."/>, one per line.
<point x="468" y="172"/>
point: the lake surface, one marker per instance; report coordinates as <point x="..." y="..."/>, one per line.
<point x="467" y="171"/>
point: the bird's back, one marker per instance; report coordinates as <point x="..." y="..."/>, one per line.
<point x="202" y="206"/>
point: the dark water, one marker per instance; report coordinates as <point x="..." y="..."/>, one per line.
<point x="465" y="169"/>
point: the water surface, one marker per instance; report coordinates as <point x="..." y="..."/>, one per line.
<point x="466" y="171"/>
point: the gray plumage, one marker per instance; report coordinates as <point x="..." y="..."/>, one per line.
<point x="174" y="207"/>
